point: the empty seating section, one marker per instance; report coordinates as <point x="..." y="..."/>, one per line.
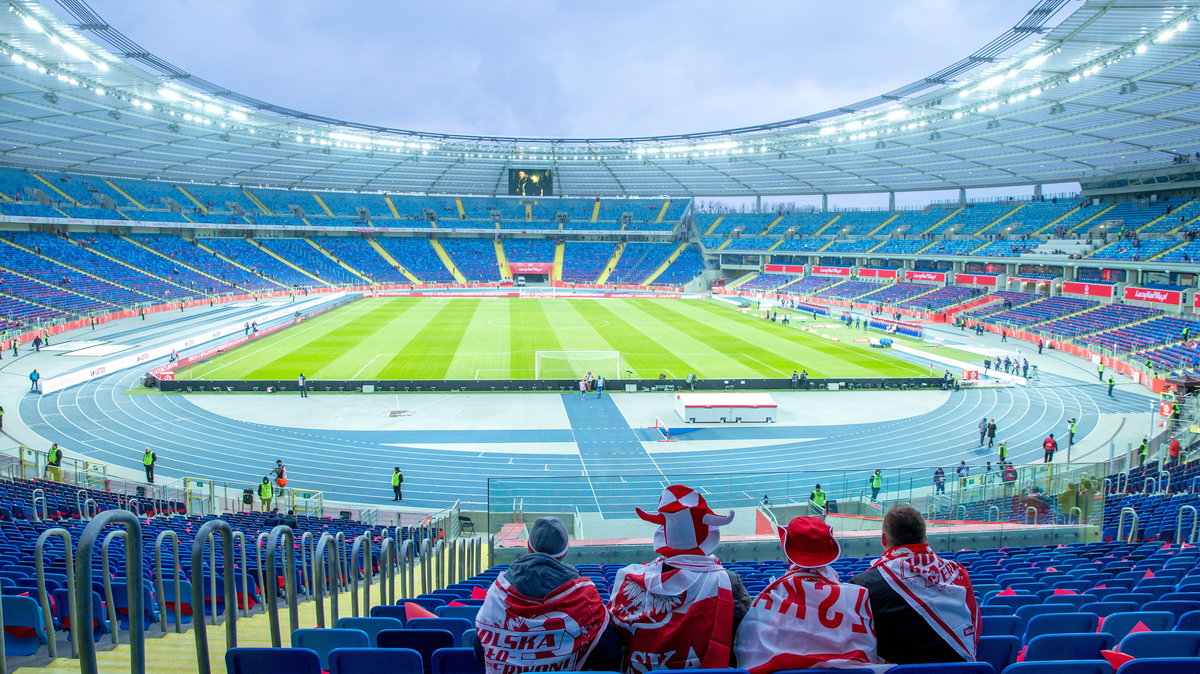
<point x="1126" y="249"/>
<point x="1006" y="248"/>
<point x="638" y="261"/>
<point x="1100" y="318"/>
<point x="46" y="270"/>
<point x="14" y="312"/>
<point x="116" y="247"/>
<point x="1179" y="216"/>
<point x="584" y="260"/>
<point x="280" y="220"/>
<point x="91" y="213"/>
<point x="767" y="281"/>
<point x="219" y="198"/>
<point x="356" y="252"/>
<point x="800" y="245"/>
<point x="684" y="268"/>
<point x="418" y="257"/>
<point x="901" y="247"/>
<point x="847" y="290"/>
<point x="89" y="191"/>
<point x="808" y="285"/>
<point x="302" y="254"/>
<point x="13" y="182"/>
<point x="152" y="194"/>
<point x="1040" y="311"/>
<point x="896" y="292"/>
<point x="1188" y="252"/>
<point x="576" y="210"/>
<point x="529" y="250"/>
<point x="858" y="246"/>
<point x="30" y="210"/>
<point x="953" y="247"/>
<point x="485" y="209"/>
<point x="709" y="242"/>
<point x="1004" y="299"/>
<point x="911" y="223"/>
<point x="861" y="224"/>
<point x="1037" y="214"/>
<point x="50" y="295"/>
<point x="415" y="207"/>
<point x="750" y="224"/>
<point x="475" y="258"/>
<point x="248" y="255"/>
<point x="1173" y="357"/>
<point x="1134" y="215"/>
<point x="974" y="218"/>
<point x="941" y="298"/>
<point x="805" y="224"/>
<point x="188" y="253"/>
<point x="280" y="202"/>
<point x="1143" y="335"/>
<point x="751" y="243"/>
<point x="347" y="204"/>
<point x="155" y="216"/>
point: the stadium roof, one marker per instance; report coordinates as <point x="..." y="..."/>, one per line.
<point x="1061" y="96"/>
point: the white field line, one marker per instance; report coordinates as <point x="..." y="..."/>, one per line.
<point x="765" y="365"/>
<point x="369" y="362"/>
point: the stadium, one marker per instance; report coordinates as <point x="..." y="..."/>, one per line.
<point x="228" y="327"/>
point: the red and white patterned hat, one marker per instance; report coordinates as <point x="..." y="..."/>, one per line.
<point x="687" y="526"/>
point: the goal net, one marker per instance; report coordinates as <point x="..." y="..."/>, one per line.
<point x="576" y="364"/>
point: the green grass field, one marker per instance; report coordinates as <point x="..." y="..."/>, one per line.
<point x="424" y="338"/>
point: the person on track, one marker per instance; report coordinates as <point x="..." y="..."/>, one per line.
<point x="149" y="458"/>
<point x="397" y="485"/>
<point x="983" y="427"/>
<point x="1071" y="431"/>
<point x="1111" y="383"/>
<point x="35" y="378"/>
<point x="1049" y="446"/>
<point x="991" y="433"/>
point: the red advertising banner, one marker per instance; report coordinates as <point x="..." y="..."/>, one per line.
<point x="784" y="268"/>
<point x="832" y="271"/>
<point x="1089" y="289"/>
<point x="1155" y="295"/>
<point x="977" y="279"/>
<point x="935" y="276"/>
<point x="878" y="273"/>
<point x="1166" y="409"/>
<point x="531" y="267"/>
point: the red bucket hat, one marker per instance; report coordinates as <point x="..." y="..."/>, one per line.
<point x="809" y="542"/>
<point x="687" y="526"/>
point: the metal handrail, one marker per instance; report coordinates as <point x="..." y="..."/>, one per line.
<point x="1126" y="480"/>
<point x="320" y="579"/>
<point x="115" y="633"/>
<point x="239" y="542"/>
<point x="83" y="589"/>
<point x="1179" y="524"/>
<point x="306" y="561"/>
<point x="1121" y="524"/>
<point x="211" y="530"/>
<point x="260" y="543"/>
<point x="352" y="574"/>
<point x="995" y="508"/>
<point x="289" y="580"/>
<point x="387" y="569"/>
<point x="343" y="560"/>
<point x="1035" y="514"/>
<point x="158" y="579"/>
<point x="39" y="496"/>
<point x="39" y="560"/>
<point x="426" y="551"/>
<point x="1079" y="516"/>
<point x="408" y="566"/>
<point x="1150" y="481"/>
<point x="964" y="512"/>
<point x="1164" y="480"/>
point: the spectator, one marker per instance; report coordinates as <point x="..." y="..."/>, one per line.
<point x="290" y="520"/>
<point x="538" y="595"/>
<point x="1049" y="446"/>
<point x="790" y="624"/>
<point x="939" y="481"/>
<point x="962" y="471"/>
<point x="707" y="602"/>
<point x="1173" y="449"/>
<point x="924" y="606"/>
<point x="983" y="427"/>
<point x="991" y="433"/>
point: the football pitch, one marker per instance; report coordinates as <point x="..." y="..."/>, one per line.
<point x="518" y="338"/>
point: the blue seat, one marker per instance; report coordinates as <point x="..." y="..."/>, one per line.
<point x="120" y="593"/>
<point x="988" y="610"/>
<point x="393" y="612"/>
<point x="262" y="660"/>
<point x="24" y="627"/>
<point x="998" y="651"/>
<point x="323" y="641"/>
<point x="944" y="668"/>
<point x="1012" y="602"/>
<point x="1072" y="600"/>
<point x="422" y="641"/>
<point x="100" y="625"/>
<point x="997" y="626"/>
<point x="375" y="660"/>
<point x="1068" y="646"/>
<point x="1161" y="666"/>
<point x="1105" y="609"/>
<point x="185" y="602"/>
<point x="1120" y="624"/>
<point x="466" y="612"/>
<point x="1026" y="613"/>
<point x="1189" y="622"/>
<point x="456" y="661"/>
<point x="1060" y="623"/>
<point x="730" y="670"/>
<point x="1177" y="608"/>
<point x="372" y="626"/>
<point x="1061" y="667"/>
<point x="1139" y="598"/>
<point x="426" y="602"/>
<point x="455" y="626"/>
<point x="1162" y="645"/>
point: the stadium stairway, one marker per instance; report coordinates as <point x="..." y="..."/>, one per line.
<point x="883" y="224"/>
<point x="366" y="279"/>
<point x="707" y="232"/>
<point x="821" y="231"/>
<point x="1177" y="246"/>
<point x="445" y="258"/>
<point x="502" y="259"/>
<point x="216" y="281"/>
<point x="666" y="264"/>
<point x="1081" y="226"/>
<point x="391" y="206"/>
<point x="771" y="225"/>
<point x="285" y="261"/>
<point x="662" y="212"/>
<point x="54" y="188"/>
<point x="996" y="223"/>
<point x="462" y="212"/>
<point x="257" y="202"/>
<point x="193" y="199"/>
<point x="324" y="206"/>
<point x="200" y="244"/>
<point x="559" y="250"/>
<point x="125" y="194"/>
<point x="1174" y="212"/>
<point x="939" y="223"/>
<point x="1049" y="226"/>
<point x="392" y="261"/>
<point x="612" y="263"/>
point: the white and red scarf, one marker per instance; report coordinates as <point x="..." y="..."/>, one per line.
<point x="937" y="589"/>
<point x="674" y="613"/>
<point x="808" y="620"/>
<point x="522" y="634"/>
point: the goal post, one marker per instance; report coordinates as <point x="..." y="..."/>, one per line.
<point x="575" y="364"/>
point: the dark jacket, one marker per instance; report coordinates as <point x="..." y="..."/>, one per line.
<point x="536" y="575"/>
<point x="902" y="634"/>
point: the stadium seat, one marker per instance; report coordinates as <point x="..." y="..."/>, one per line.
<point x="1176" y="608"/>
<point x="944" y="668"/>
<point x="455" y="626"/>
<point x="1104" y="609"/>
<point x="24" y="627"/>
<point x="1061" y="667"/>
<point x="1162" y="645"/>
<point x="1120" y="624"/>
<point x="1068" y="646"/>
<point x="1000" y="626"/>
<point x="1161" y="666"/>
<point x="1060" y="623"/>
<point x="424" y="642"/>
<point x="456" y="661"/>
<point x="393" y="612"/>
<point x="465" y="612"/>
<point x="372" y="626"/>
<point x="375" y="661"/>
<point x="324" y="641"/>
<point x="998" y="651"/>
<point x="264" y="660"/>
<point x="1189" y="622"/>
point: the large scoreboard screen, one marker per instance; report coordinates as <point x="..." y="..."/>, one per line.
<point x="530" y="182"/>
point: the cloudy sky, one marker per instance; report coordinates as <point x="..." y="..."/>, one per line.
<point x="548" y="68"/>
